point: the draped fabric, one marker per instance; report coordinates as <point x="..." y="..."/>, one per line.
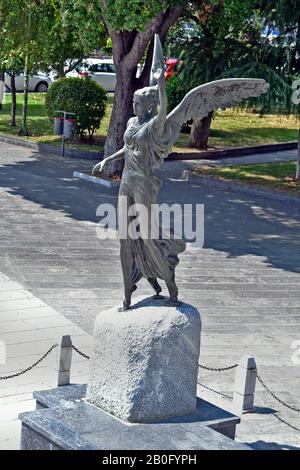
<point x="145" y="151"/>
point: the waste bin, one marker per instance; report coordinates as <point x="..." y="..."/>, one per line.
<point x="69" y="128"/>
<point x="59" y="125"/>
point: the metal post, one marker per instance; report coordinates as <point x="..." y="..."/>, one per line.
<point x="65" y="361"/>
<point x="244" y="387"/>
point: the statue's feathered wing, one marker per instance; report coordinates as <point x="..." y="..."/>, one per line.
<point x="203" y="99"/>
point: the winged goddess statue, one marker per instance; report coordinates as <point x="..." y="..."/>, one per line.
<point x="147" y="142"/>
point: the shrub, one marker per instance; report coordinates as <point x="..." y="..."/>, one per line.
<point x="81" y="96"/>
<point x="176" y="91"/>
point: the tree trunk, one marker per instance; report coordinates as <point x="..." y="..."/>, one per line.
<point x="200" y="132"/>
<point x="23" y="130"/>
<point x="2" y="88"/>
<point x="13" y="100"/>
<point x="298" y="159"/>
<point x="122" y="110"/>
<point x="128" y="49"/>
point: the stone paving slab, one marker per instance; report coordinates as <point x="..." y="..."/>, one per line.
<point x="245" y="281"/>
<point x="28" y="332"/>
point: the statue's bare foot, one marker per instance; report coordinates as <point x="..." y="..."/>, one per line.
<point x="124" y="308"/>
<point x="127" y="300"/>
<point x="156" y="287"/>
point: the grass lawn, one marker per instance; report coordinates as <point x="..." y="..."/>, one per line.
<point x="40" y="127"/>
<point x="230" y="128"/>
<point x="277" y="176"/>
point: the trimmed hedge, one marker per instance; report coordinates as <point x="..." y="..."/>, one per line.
<point x="81" y="96"/>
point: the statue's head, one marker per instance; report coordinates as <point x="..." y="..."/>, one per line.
<point x="145" y="102"/>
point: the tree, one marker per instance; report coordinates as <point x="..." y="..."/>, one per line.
<point x="2" y="87"/>
<point x="238" y="46"/>
<point x="25" y="26"/>
<point x="11" y="65"/>
<point x="43" y="34"/>
<point x="75" y="30"/>
<point x="284" y="15"/>
<point x="206" y="42"/>
<point x="131" y="26"/>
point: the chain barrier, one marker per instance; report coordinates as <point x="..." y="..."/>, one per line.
<point x="217" y="369"/>
<point x="201" y="366"/>
<point x="5" y="377"/>
<point x="215" y="391"/>
<point x="286" y="423"/>
<point x="274" y="396"/>
<point x="80" y="353"/>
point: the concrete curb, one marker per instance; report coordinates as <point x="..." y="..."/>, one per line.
<point x="211" y="181"/>
<point x="52" y="149"/>
<point x="233" y="152"/>
<point x="96" y="180"/>
<point x="213" y="155"/>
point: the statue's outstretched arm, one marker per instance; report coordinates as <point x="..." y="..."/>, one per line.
<point x="116" y="156"/>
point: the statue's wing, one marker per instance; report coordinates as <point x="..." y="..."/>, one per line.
<point x="203" y="99"/>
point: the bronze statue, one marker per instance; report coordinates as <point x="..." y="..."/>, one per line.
<point x="147" y="141"/>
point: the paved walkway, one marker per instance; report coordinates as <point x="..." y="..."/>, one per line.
<point x="29" y="327"/>
<point x="245" y="281"/>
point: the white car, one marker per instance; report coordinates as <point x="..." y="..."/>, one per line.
<point x="39" y="82"/>
<point x="101" y="70"/>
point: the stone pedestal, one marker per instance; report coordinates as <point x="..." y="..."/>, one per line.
<point x="64" y="420"/>
<point x="145" y="362"/>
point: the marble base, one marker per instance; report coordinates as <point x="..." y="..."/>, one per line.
<point x="64" y="420"/>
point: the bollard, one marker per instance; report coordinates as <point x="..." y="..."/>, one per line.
<point x="65" y="361"/>
<point x="244" y="387"/>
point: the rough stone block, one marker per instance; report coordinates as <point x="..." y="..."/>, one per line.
<point x="145" y="362"/>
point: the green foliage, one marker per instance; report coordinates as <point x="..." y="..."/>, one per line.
<point x="176" y="91"/>
<point x="84" y="97"/>
<point x="76" y="29"/>
<point x="50" y="31"/>
<point x="225" y="39"/>
<point x="24" y="26"/>
<point x="133" y="15"/>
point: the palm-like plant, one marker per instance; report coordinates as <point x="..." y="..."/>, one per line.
<point x="244" y="53"/>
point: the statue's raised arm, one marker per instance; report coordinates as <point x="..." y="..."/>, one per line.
<point x="200" y="101"/>
<point x="157" y="77"/>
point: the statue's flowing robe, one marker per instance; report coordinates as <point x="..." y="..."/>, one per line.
<point x="145" y="151"/>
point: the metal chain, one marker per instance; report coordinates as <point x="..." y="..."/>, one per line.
<point x="274" y="396"/>
<point x="215" y="391"/>
<point x="5" y="377"/>
<point x="214" y="369"/>
<point x="217" y="369"/>
<point x="287" y="423"/>
<point x="80" y="353"/>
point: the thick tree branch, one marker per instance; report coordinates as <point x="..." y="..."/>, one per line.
<point x="142" y="40"/>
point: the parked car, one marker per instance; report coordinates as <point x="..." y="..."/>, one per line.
<point x="101" y="70"/>
<point x="170" y="67"/>
<point x="39" y="82"/>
